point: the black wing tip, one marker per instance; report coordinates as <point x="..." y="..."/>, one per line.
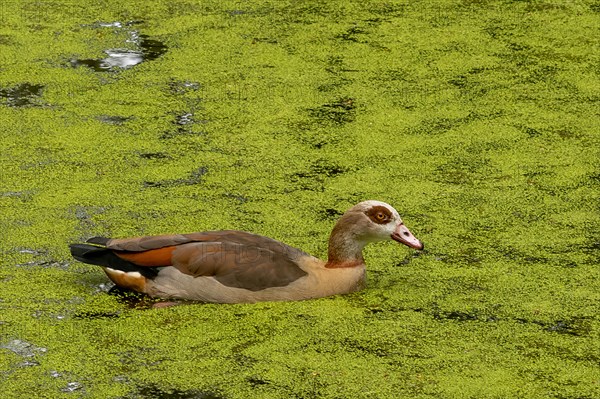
<point x="82" y="249"/>
<point x="86" y="253"/>
<point x="101" y="256"/>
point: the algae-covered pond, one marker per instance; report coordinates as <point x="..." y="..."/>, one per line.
<point x="477" y="120"/>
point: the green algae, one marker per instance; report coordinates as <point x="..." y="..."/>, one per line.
<point x="476" y="120"/>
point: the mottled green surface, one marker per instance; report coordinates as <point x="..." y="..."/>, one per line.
<point x="477" y="120"/>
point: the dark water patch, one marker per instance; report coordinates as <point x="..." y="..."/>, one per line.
<point x="97" y="315"/>
<point x="268" y="40"/>
<point x="592" y="247"/>
<point x="153" y="391"/>
<point x="330" y="214"/>
<point x="455" y="315"/>
<point x="459" y="81"/>
<point x="565" y="133"/>
<point x="479" y="315"/>
<point x="518" y="47"/>
<point x="577" y="326"/>
<point x="535" y="259"/>
<point x="469" y="84"/>
<point x="550" y="132"/>
<point x="338" y="112"/>
<point x="336" y="66"/>
<point x="352" y="34"/>
<point x="543" y="73"/>
<point x="154" y="155"/>
<point x="152" y="49"/>
<point x="528" y="59"/>
<point x="594" y="177"/>
<point x="568" y="264"/>
<point x="113" y="120"/>
<point x="561" y="327"/>
<point x="148" y="49"/>
<point x="537" y="177"/>
<point x="255" y="381"/>
<point x="332" y="85"/>
<point x="194" y="178"/>
<point x="22" y="95"/>
<point x="498" y="31"/>
<point x="321" y="168"/>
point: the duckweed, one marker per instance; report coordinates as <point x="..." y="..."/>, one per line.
<point x="477" y="120"/>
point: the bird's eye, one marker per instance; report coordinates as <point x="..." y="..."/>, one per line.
<point x="380" y="216"/>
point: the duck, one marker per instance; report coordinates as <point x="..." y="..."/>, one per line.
<point x="232" y="266"/>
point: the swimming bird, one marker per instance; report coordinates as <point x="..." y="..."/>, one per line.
<point x="235" y="266"/>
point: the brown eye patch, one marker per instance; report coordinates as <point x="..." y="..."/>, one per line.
<point x="379" y="214"/>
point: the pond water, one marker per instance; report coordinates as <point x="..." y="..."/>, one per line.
<point x="148" y="50"/>
<point x="24" y="94"/>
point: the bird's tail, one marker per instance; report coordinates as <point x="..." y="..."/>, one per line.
<point x="91" y="254"/>
<point x="94" y="252"/>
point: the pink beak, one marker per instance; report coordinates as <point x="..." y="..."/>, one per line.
<point x="403" y="235"/>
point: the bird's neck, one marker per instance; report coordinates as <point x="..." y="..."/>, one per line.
<point x="345" y="250"/>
